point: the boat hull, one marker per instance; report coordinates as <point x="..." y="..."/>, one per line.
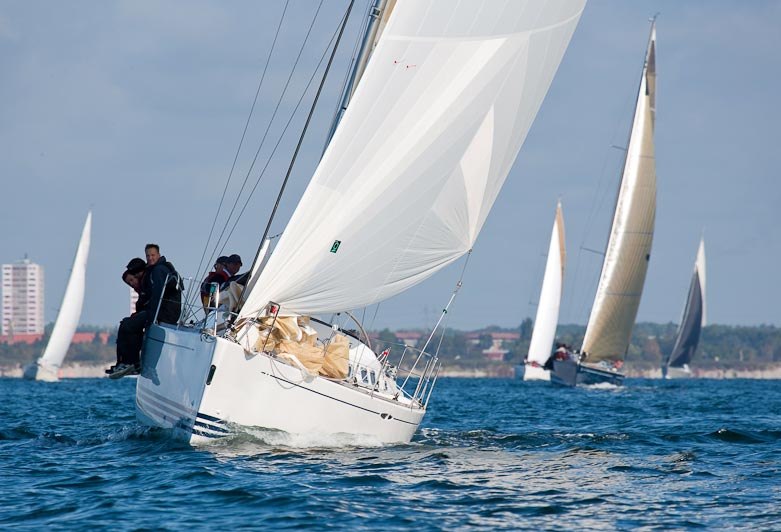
<point x="205" y="387"/>
<point x="529" y="372"/>
<point x="672" y="372"/>
<point x="572" y="373"/>
<point x="36" y="372"/>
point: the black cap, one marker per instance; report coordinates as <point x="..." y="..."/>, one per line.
<point x="136" y="265"/>
<point x="222" y="259"/>
<point x="234" y="259"/>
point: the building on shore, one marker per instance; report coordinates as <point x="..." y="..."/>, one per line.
<point x="22" y="293"/>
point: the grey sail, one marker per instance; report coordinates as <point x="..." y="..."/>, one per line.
<point x="689" y="331"/>
<point x="693" y="316"/>
<point x="628" y="250"/>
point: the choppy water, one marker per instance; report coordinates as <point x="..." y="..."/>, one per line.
<point x="492" y="454"/>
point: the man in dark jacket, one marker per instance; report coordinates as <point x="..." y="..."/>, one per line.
<point x="162" y="283"/>
<point x="160" y="289"/>
<point x="131" y="329"/>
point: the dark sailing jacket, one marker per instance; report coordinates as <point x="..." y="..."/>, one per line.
<point x="162" y="281"/>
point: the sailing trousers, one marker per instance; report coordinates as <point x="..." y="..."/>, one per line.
<point x="130" y="338"/>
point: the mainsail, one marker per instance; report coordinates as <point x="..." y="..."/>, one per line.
<point x="550" y="296"/>
<point x="693" y="319"/>
<point x="629" y="247"/>
<point x="421" y="153"/>
<point x="70" y="310"/>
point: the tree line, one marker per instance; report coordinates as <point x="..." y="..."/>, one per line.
<point x="720" y="347"/>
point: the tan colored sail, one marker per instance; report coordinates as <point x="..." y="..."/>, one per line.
<point x="562" y="246"/>
<point x="629" y="247"/>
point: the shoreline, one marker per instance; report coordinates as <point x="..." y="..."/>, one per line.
<point x="91" y="371"/>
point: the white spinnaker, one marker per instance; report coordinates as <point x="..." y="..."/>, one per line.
<point x="612" y="318"/>
<point x="547" y="317"/>
<point x="70" y="311"/>
<point x="699" y="266"/>
<point x="418" y="159"/>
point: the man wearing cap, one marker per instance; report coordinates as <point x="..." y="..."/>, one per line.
<point x="233" y="264"/>
<point x="220" y="275"/>
<point x="131" y="329"/>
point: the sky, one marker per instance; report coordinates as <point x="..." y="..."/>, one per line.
<point x="136" y="109"/>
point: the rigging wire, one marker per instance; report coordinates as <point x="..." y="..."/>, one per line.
<point x="599" y="197"/>
<point x="279" y="140"/>
<point x="459" y="284"/>
<point x="353" y="61"/>
<point x="241" y="141"/>
<point x="265" y="133"/>
<point x="303" y="133"/>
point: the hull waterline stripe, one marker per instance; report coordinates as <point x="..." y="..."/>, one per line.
<point x="154" y="413"/>
<point x="206" y="434"/>
<point x="191" y="412"/>
<point x="161" y="409"/>
<point x="211" y="427"/>
<point x="210" y="418"/>
<point x="335" y="399"/>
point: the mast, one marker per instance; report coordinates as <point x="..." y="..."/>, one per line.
<point x="628" y="249"/>
<point x="378" y="17"/>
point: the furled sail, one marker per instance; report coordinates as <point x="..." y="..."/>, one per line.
<point x="550" y="296"/>
<point x="418" y="159"/>
<point x="693" y="319"/>
<point x="70" y="310"/>
<point x="629" y="247"/>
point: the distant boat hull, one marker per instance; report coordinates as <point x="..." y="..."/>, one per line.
<point x="205" y="388"/>
<point x="36" y="372"/>
<point x="672" y="372"/>
<point x="530" y="372"/>
<point x="572" y="373"/>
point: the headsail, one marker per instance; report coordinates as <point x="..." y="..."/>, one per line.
<point x="693" y="315"/>
<point x="70" y="310"/>
<point x="629" y="247"/>
<point x="550" y="296"/>
<point x="418" y="159"/>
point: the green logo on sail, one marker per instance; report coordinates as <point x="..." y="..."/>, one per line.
<point x="335" y="247"/>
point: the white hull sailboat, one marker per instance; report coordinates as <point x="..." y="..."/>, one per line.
<point x="536" y="365"/>
<point x="431" y="131"/>
<point x="692" y="322"/>
<point x="47" y="368"/>
<point x="628" y="251"/>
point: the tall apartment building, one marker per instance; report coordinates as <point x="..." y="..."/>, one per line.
<point x="22" y="298"/>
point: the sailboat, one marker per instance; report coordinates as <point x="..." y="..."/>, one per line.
<point x="47" y="368"/>
<point x="536" y="365"/>
<point x="403" y="188"/>
<point x="692" y="322"/>
<point x="628" y="251"/>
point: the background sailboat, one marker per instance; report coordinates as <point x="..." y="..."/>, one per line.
<point x="628" y="251"/>
<point x="48" y="366"/>
<point x="402" y="191"/>
<point x="547" y="318"/>
<point x="692" y="322"/>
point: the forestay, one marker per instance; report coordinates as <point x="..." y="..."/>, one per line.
<point x="626" y="259"/>
<point x="418" y="159"/>
<point x="547" y="317"/>
<point x="70" y="310"/>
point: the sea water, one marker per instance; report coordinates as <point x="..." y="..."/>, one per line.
<point x="491" y="454"/>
